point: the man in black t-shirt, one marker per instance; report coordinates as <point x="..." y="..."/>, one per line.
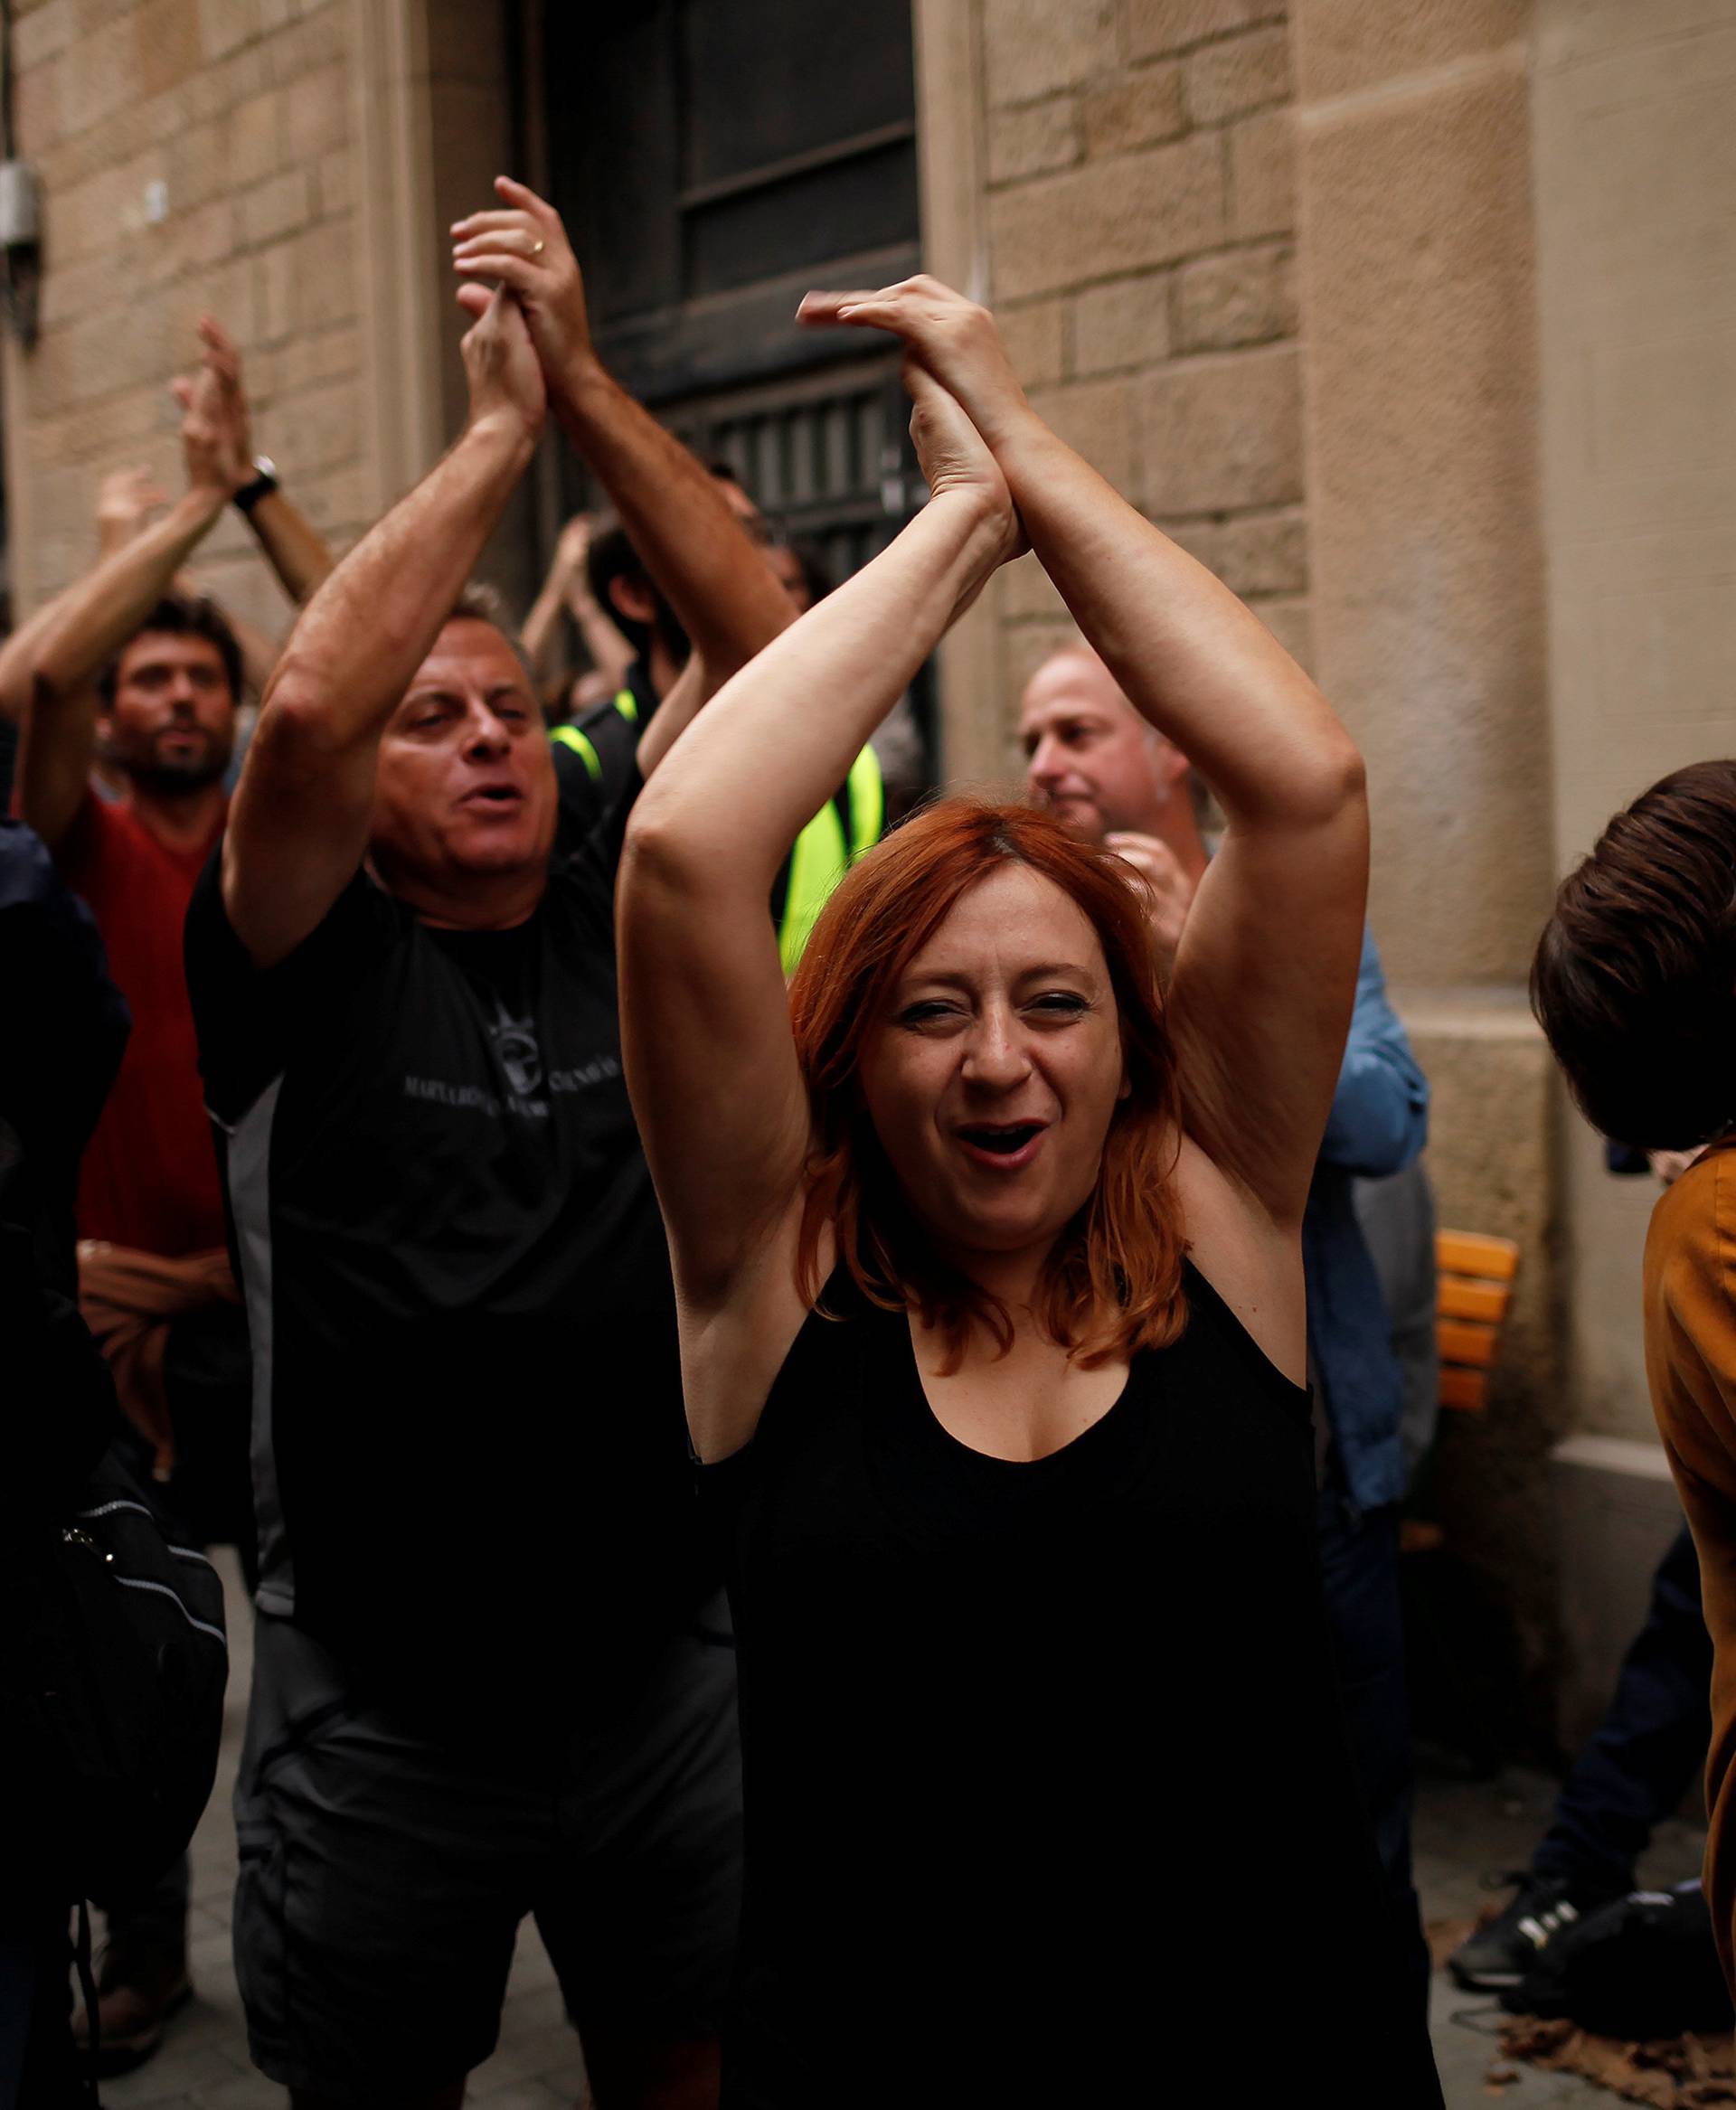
<point x="487" y="1680"/>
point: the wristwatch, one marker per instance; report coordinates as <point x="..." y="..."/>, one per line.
<point x="265" y="482"/>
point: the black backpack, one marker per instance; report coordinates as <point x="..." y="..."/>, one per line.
<point x="112" y="1673"/>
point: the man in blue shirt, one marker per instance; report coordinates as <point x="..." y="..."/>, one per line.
<point x="1095" y="763"/>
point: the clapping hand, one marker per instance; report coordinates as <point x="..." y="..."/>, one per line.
<point x="217" y="426"/>
<point x="955" y="457"/>
<point x="507" y="392"/>
<point x="1164" y="888"/>
<point x="954" y="338"/>
<point x="126" y="499"/>
<point x="522" y="245"/>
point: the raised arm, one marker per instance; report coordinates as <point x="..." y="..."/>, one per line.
<point x="298" y="828"/>
<point x="706" y="1020"/>
<point x="566" y="590"/>
<point x="293" y="546"/>
<point x="701" y="557"/>
<point x="126" y="499"/>
<point x="1266" y="968"/>
<point x="49" y="666"/>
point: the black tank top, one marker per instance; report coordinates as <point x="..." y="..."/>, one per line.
<point x="1047" y="1793"/>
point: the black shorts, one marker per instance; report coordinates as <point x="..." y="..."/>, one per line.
<point x="383" y="1875"/>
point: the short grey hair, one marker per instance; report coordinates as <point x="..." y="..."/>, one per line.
<point x="478" y="602"/>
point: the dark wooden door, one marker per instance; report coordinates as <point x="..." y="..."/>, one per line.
<point x="714" y="159"/>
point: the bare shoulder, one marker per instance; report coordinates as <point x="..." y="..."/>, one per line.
<point x="734" y="1347"/>
<point x="1254" y="1263"/>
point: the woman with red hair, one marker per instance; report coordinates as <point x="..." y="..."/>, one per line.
<point x="990" y="1284"/>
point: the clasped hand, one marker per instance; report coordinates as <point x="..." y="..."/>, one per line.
<point x="532" y="334"/>
<point x="216" y="425"/>
<point x="968" y="401"/>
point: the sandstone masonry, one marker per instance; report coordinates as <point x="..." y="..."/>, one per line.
<point x="196" y="155"/>
<point x="1140" y="231"/>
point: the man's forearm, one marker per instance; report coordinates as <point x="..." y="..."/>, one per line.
<point x="88" y="624"/>
<point x="293" y="548"/>
<point x="610" y="654"/>
<point x="370" y="626"/>
<point x="18" y="659"/>
<point x="48" y="670"/>
<point x="677" y="520"/>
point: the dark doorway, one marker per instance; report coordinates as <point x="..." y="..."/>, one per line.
<point x="712" y="160"/>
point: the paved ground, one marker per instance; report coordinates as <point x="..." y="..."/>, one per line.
<point x="1465" y="1830"/>
<point x="1462" y="1831"/>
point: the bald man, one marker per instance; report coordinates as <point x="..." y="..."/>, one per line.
<point x="1106" y="775"/>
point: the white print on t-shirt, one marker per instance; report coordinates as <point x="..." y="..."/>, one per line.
<point x="474" y="1097"/>
<point x="514" y="1041"/>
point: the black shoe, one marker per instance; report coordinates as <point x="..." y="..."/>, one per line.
<point x="136" y="1996"/>
<point x="1502" y="1952"/>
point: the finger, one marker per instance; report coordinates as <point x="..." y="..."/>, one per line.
<point x="521" y="195"/>
<point x="522" y="240"/>
<point x="218" y="338"/>
<point x="819" y="309"/>
<point x="475" y="300"/>
<point x="485" y="221"/>
<point x="518" y="272"/>
<point x="181" y="389"/>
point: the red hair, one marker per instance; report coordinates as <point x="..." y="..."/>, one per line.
<point x="1113" y="1282"/>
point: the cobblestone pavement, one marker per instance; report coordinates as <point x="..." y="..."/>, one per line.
<point x="1464" y="1830"/>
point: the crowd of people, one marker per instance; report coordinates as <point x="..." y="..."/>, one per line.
<point x="799" y="1374"/>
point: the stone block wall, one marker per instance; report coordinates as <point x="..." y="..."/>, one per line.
<point x="1139" y="226"/>
<point x="196" y="155"/>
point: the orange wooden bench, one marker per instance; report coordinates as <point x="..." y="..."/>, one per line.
<point x="1475" y="1277"/>
<point x="1474" y="1287"/>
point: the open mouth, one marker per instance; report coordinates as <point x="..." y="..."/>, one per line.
<point x="1006" y="1144"/>
<point x="494" y="794"/>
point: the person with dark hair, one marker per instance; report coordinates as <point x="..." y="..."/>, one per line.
<point x="1634" y="983"/>
<point x="487" y="1677"/>
<point x="988" y="1253"/>
<point x="123" y="658"/>
<point x="566" y="593"/>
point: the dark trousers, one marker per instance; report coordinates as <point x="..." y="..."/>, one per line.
<point x="1359" y="1560"/>
<point x="1650" y="1746"/>
<point x="38" y="2068"/>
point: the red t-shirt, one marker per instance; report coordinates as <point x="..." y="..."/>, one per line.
<point x="149" y="1176"/>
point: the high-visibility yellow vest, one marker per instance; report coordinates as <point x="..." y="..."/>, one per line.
<point x="822" y="854"/>
<point x="824" y="851"/>
<point x="582" y="743"/>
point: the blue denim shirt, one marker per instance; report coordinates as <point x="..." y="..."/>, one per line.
<point x="1379" y="1124"/>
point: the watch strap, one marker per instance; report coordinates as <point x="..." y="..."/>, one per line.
<point x="262" y="486"/>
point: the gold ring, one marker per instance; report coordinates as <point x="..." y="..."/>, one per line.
<point x="537" y="246"/>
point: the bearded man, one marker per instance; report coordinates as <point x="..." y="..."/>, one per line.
<point x="124" y="665"/>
